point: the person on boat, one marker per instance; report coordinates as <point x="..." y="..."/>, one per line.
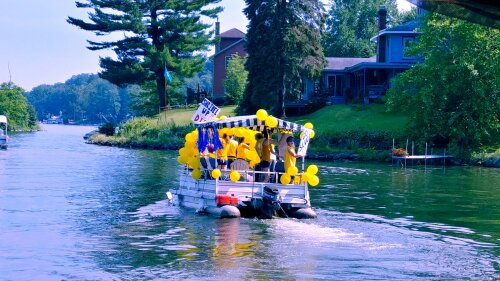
<point x="267" y="153"/>
<point x="222" y="160"/>
<point x="282" y="145"/>
<point x="231" y="149"/>
<point x="241" y="150"/>
<point x="290" y="155"/>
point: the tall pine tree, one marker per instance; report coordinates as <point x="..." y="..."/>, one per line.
<point x="156" y="34"/>
<point x="351" y="24"/>
<point x="283" y="45"/>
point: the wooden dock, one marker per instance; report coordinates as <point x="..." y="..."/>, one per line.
<point x="419" y="159"/>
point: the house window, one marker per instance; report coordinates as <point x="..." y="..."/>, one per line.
<point x="335" y="85"/>
<point x="407" y="41"/>
<point x="227" y="59"/>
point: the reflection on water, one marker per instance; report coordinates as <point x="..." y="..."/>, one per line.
<point x="81" y="212"/>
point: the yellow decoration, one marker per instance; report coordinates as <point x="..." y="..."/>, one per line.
<point x="196" y="174"/>
<point x="238" y="132"/>
<point x="182" y="160"/>
<point x="252" y="155"/>
<point x="261" y="115"/>
<point x="313" y="181"/>
<point x="271" y="121"/>
<point x="312" y="169"/>
<point x="285" y="179"/>
<point x="223" y="117"/>
<point x="194" y="163"/>
<point x="252" y="164"/>
<point x="191" y="137"/>
<point x="215" y="118"/>
<point x="292" y="170"/>
<point x="309" y="125"/>
<point x="234" y="176"/>
<point x="184" y="152"/>
<point x="312" y="134"/>
<point x="305" y="177"/>
<point x="216" y="173"/>
<point x="296" y="180"/>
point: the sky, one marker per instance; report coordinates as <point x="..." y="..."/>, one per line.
<point x="39" y="47"/>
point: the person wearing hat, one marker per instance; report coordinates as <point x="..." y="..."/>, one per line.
<point x="290" y="155"/>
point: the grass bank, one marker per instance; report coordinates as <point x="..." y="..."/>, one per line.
<point x="164" y="131"/>
<point x="357" y="132"/>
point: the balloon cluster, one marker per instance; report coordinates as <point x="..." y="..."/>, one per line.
<point x="189" y="155"/>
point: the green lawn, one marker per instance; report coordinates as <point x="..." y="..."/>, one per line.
<point x="341" y="118"/>
<point x="334" y="118"/>
<point x="183" y="116"/>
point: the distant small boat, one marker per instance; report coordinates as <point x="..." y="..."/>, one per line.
<point x="4" y="137"/>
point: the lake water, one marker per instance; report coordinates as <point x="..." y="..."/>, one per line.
<point x="73" y="211"/>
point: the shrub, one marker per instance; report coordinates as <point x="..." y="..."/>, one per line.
<point x="107" y="129"/>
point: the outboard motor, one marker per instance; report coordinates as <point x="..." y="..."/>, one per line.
<point x="271" y="202"/>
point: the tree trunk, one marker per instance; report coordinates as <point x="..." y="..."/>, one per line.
<point x="281" y="98"/>
<point x="160" y="90"/>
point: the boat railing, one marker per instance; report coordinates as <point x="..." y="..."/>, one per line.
<point x="246" y="175"/>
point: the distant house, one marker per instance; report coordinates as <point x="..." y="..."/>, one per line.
<point x="343" y="79"/>
<point x="367" y="79"/>
<point x="231" y="42"/>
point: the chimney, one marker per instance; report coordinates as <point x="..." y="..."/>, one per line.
<point x="217" y="36"/>
<point x="381" y="40"/>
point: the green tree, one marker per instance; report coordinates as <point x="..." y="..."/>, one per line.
<point x="157" y="34"/>
<point x="16" y="107"/>
<point x="453" y="96"/>
<point x="236" y="79"/>
<point x="84" y="98"/>
<point x="283" y="45"/>
<point x="351" y="23"/>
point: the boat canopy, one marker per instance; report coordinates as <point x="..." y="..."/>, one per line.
<point x="248" y="121"/>
<point x="3" y="119"/>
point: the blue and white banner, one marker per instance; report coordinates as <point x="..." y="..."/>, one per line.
<point x="205" y="112"/>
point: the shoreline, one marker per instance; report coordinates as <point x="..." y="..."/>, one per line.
<point x="379" y="156"/>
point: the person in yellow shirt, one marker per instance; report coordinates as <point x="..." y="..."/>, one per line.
<point x="241" y="151"/>
<point x="290" y="155"/>
<point x="222" y="157"/>
<point x="232" y="147"/>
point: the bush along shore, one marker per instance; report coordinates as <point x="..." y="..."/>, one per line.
<point x="146" y="133"/>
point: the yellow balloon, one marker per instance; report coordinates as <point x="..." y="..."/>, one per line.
<point x="285" y="179"/>
<point x="196" y="174"/>
<point x="309" y="125"/>
<point x="261" y="115"/>
<point x="305" y="177"/>
<point x="194" y="162"/>
<point x="251" y="154"/>
<point x="184" y="151"/>
<point x="296" y="180"/>
<point x="271" y="121"/>
<point x="188" y="137"/>
<point x="182" y="160"/>
<point x="292" y="170"/>
<point x="215" y="118"/>
<point x="216" y="173"/>
<point x="223" y="117"/>
<point x="234" y="176"/>
<point x="252" y="164"/>
<point x="312" y="134"/>
<point x="313" y="181"/>
<point x="312" y="169"/>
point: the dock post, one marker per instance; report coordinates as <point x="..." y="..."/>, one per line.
<point x="425" y="159"/>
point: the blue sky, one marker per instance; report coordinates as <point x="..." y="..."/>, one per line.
<point x="39" y="46"/>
